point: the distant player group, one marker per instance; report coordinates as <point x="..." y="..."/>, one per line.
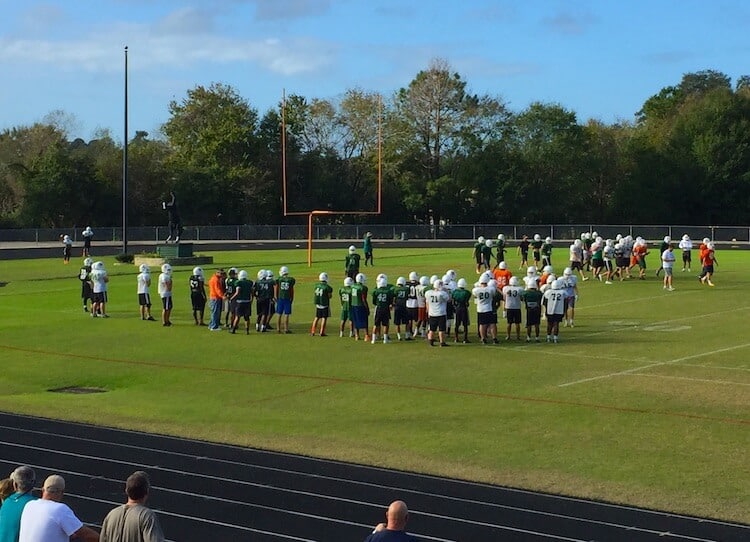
<point x="434" y="308"/>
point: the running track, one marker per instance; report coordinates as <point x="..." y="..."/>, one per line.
<point x="204" y="491"/>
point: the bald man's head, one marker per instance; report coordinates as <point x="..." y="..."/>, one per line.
<point x="397" y="515"/>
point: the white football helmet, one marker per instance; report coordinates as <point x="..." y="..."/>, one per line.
<point x="488" y="243"/>
<point x="513" y="281"/>
<point x="381" y="276"/>
<point x="711" y="245"/>
<point x="594" y="235"/>
<point x="242" y="275"/>
<point x="503" y="265"/>
<point x="97" y="265"/>
<point x="548" y="269"/>
<point x="706" y="240"/>
<point x="451" y="274"/>
<point x="413" y="276"/>
<point x="269" y="274"/>
<point x="537" y="237"/>
<point x="433" y="278"/>
<point x="552" y="278"/>
<point x="143" y="268"/>
<point x="461" y="283"/>
<point x="558" y="284"/>
<point x="424" y="280"/>
<point x="480" y="239"/>
<point x="348" y="282"/>
<point x="284" y="270"/>
<point x="197" y="271"/>
<point x="401" y="281"/>
<point x="567" y="271"/>
<point x="531" y="285"/>
<point x="352" y="249"/>
<point x="438" y="284"/>
<point x="232" y="271"/>
<point x="685" y="237"/>
<point x="667" y="239"/>
<point x="323" y="277"/>
<point x="88" y="261"/>
<point x="531" y="270"/>
<point x="501" y="237"/>
<point x="166" y="269"/>
<point x="261" y="274"/>
<point x="548" y="240"/>
<point x="485" y="278"/>
<point x="360" y="278"/>
<point x="381" y="282"/>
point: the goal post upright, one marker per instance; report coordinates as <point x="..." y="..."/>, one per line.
<point x="311" y="214"/>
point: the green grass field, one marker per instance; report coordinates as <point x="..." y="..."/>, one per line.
<point x="646" y="401"/>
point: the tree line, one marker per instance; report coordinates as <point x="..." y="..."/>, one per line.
<point x="443" y="153"/>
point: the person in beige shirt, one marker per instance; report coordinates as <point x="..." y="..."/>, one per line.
<point x="133" y="521"/>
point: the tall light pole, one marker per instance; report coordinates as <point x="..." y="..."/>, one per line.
<point x="125" y="166"/>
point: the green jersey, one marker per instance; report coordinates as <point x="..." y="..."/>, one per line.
<point x="547" y="249"/>
<point x="229" y="286"/>
<point x="345" y="295"/>
<point x="367" y="245"/>
<point x="243" y="289"/>
<point x="285" y="287"/>
<point x="322" y="295"/>
<point x="461" y="297"/>
<point x="478" y="249"/>
<point x="359" y="295"/>
<point x="400" y="294"/>
<point x="382" y="297"/>
<point x="532" y="299"/>
<point x="351" y="263"/>
<point x="536" y="245"/>
<point x="264" y="289"/>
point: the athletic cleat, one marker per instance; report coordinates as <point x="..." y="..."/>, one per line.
<point x="443" y="344"/>
<point x="495" y="341"/>
<point x="607" y="282"/>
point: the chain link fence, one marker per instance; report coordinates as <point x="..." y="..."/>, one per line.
<point x="724" y="234"/>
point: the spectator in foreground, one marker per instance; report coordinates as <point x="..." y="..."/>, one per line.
<point x="133" y="521"/>
<point x="23" y="479"/>
<point x="394" y="530"/>
<point x="49" y="520"/>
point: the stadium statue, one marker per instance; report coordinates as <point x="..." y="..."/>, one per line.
<point x="175" y="224"/>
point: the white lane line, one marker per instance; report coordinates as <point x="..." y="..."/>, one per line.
<point x="720" y="367"/>
<point x="652" y="365"/>
<point x="708" y="380"/>
<point x="465" y="483"/>
<point x="358" y="502"/>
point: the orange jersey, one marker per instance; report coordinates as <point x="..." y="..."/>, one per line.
<point x="502" y="277"/>
<point x="543" y="278"/>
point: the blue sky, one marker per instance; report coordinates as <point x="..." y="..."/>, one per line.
<point x="601" y="59"/>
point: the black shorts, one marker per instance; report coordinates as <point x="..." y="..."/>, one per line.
<point x="262" y="306"/>
<point x="597" y="263"/>
<point x="86" y="292"/>
<point x="513" y="316"/>
<point x="554" y="318"/>
<point x="232" y="306"/>
<point x="401" y="315"/>
<point x="413" y="313"/>
<point x="537" y="255"/>
<point x="486" y="318"/>
<point x="622" y="262"/>
<point x="325" y="312"/>
<point x="166" y="303"/>
<point x="708" y="269"/>
<point x="533" y="316"/>
<point x="479" y="259"/>
<point x="382" y="316"/>
<point x="576" y="266"/>
<point x="99" y="297"/>
<point x="462" y="316"/>
<point x="450" y="310"/>
<point x="144" y="300"/>
<point x="198" y="301"/>
<point x="686" y="257"/>
<point x="243" y="310"/>
<point x="437" y="323"/>
<point x="608" y="265"/>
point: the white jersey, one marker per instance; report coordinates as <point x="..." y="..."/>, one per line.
<point x="608" y="253"/>
<point x="686" y="244"/>
<point x="512" y="297"/>
<point x="87" y="233"/>
<point x="144" y="281"/>
<point x="412" y="296"/>
<point x="576" y="253"/>
<point x="421" y="301"/>
<point x="437" y="302"/>
<point x="667" y="259"/>
<point x="165" y="285"/>
<point x="48" y="520"/>
<point x="555" y="301"/>
<point x="483" y="296"/>
<point x="98" y="281"/>
<point x="570" y="283"/>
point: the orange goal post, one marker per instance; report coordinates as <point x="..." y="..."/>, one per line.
<point x="317" y="212"/>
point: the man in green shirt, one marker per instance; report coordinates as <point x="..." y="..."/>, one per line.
<point x="367" y="249"/>
<point x="532" y="298"/>
<point x="401" y="314"/>
<point x="382" y="298"/>
<point x="460" y="299"/>
<point x="345" y="295"/>
<point x="242" y="301"/>
<point x="284" y="298"/>
<point x="360" y="310"/>
<point x="322" y="299"/>
<point x="229" y="284"/>
<point x="351" y="262"/>
<point x="12" y="507"/>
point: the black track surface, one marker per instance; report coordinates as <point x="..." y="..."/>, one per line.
<point x="204" y="491"/>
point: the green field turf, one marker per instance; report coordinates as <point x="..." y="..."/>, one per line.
<point x="646" y="401"/>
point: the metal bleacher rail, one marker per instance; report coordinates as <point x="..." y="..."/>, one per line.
<point x="721" y="234"/>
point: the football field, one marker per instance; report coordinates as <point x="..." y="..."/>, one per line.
<point x="646" y="401"/>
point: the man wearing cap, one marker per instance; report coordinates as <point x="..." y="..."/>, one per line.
<point x="49" y="520"/>
<point x="133" y="521"/>
<point x="23" y="479"/>
<point x="367" y="249"/>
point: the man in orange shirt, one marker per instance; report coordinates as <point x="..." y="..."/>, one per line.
<point x="502" y="279"/>
<point x="708" y="261"/>
<point x="216" y="298"/>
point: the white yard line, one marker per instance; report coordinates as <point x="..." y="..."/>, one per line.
<point x="659" y="364"/>
<point x="708" y="380"/>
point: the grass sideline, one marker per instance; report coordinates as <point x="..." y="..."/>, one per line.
<point x="645" y="402"/>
